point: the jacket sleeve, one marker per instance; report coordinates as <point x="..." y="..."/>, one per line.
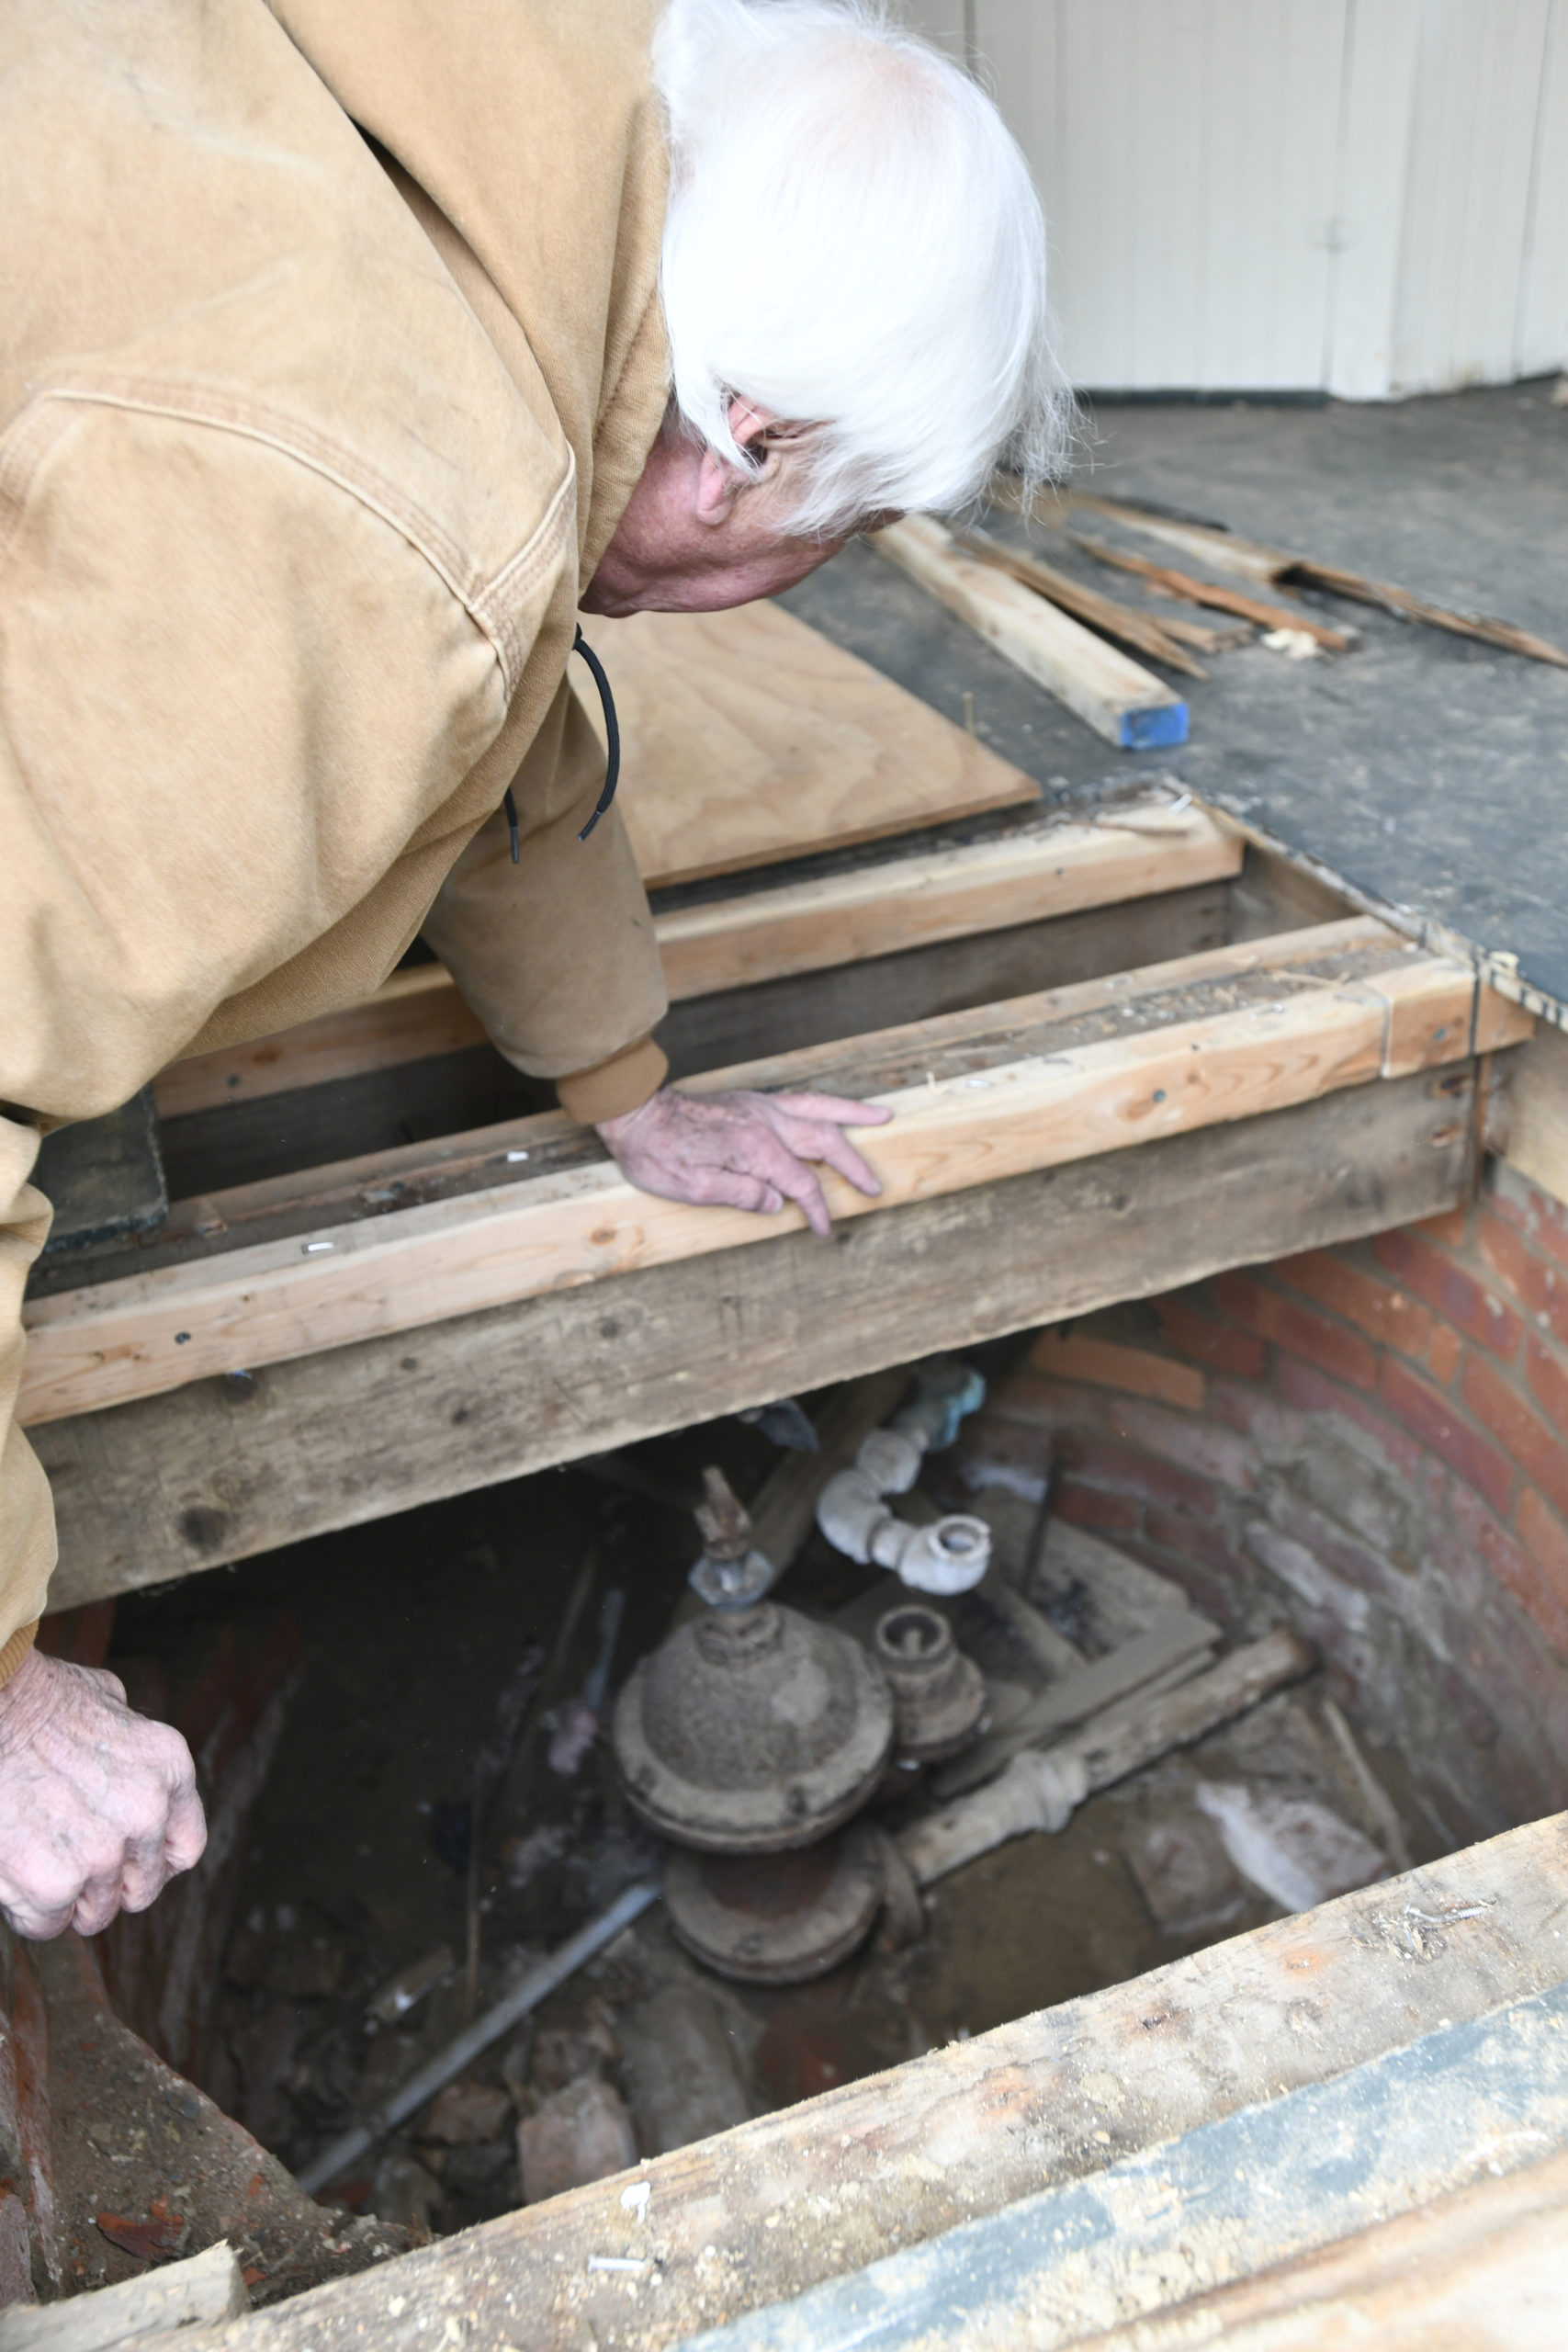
<point x="235" y="704"/>
<point x="557" y="954"/>
<point x="27" y="1522"/>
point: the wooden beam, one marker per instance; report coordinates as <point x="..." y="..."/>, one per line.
<point x="233" y="1466"/>
<point x="760" y="2213"/>
<point x="908" y="902"/>
<point x="1232" y="2196"/>
<point x="1019" y="877"/>
<point x="1487" y="2265"/>
<point x="1144" y="632"/>
<point x="1036" y="1102"/>
<point x="1130" y="707"/>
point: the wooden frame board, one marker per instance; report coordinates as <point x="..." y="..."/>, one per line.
<point x="976" y="1097"/>
<point x="910" y="901"/>
<point x="236" y="1466"/>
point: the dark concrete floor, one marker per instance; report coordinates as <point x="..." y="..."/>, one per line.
<point x="1429" y="772"/>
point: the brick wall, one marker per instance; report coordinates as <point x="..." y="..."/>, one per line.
<point x="1372" y="1440"/>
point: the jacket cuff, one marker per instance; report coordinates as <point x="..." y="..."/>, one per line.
<point x="13" y="1652"/>
<point x="612" y="1088"/>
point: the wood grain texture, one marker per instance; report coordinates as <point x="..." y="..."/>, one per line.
<point x="746" y="736"/>
<point x="946" y="894"/>
<point x="146" y="1333"/>
<point x="1537" y="1112"/>
<point x="1141" y="631"/>
<point x="1483" y="2270"/>
<point x="1128" y="706"/>
<point x="229" y="1467"/>
<point x="764" y="2212"/>
<point x="908" y="902"/>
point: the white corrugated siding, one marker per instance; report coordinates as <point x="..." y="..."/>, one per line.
<point x="1368" y="197"/>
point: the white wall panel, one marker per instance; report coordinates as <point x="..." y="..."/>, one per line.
<point x="1377" y="107"/>
<point x="1478" y="84"/>
<point x="1543" y="341"/>
<point x="1365" y="196"/>
<point x="1185" y="153"/>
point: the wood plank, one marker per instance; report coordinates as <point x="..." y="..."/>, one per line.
<point x="746" y="736"/>
<point x="1177" y="1637"/>
<point x="947" y="894"/>
<point x="1471" y="2097"/>
<point x="1483" y="2270"/>
<point x="233" y="1466"/>
<point x="764" y="2212"/>
<point x="931" y="984"/>
<point x="1230" y="553"/>
<point x="1129" y="706"/>
<point x="1538" y="1112"/>
<point x="1165" y="581"/>
<point x="1144" y="631"/>
<point x="413" y="1014"/>
<point x="111" y="1341"/>
<point x="908" y="902"/>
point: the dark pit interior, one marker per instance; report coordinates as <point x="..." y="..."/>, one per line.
<point x="382" y="1883"/>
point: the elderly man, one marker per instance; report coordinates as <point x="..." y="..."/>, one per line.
<point x="350" y="348"/>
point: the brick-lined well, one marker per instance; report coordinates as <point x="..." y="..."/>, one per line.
<point x="1372" y="1440"/>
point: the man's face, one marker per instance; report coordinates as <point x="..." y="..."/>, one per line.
<point x="697" y="536"/>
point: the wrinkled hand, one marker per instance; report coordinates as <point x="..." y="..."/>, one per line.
<point x="98" y="1808"/>
<point x="742" y="1151"/>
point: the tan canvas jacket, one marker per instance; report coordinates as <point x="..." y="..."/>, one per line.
<point x="330" y="351"/>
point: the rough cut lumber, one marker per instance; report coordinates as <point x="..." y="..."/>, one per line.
<point x="413" y="1014"/>
<point x="746" y="736"/>
<point x="1228" y="2198"/>
<point x="1538" y="1112"/>
<point x="1144" y="632"/>
<point x="766" y="2210"/>
<point x="1178" y="1638"/>
<point x="1227" y="551"/>
<point x="203" y="2288"/>
<point x="1130" y="707"/>
<point x="229" y="1467"/>
<point x="1484" y="2270"/>
<point x="807" y="1008"/>
<point x="109" y="1342"/>
<point x="1038" y="1791"/>
<point x="1166" y="582"/>
<point x="908" y="902"/>
<point x="1149" y="848"/>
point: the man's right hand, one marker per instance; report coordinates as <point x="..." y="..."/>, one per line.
<point x="98" y="1808"/>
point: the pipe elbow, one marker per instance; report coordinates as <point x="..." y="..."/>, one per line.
<point x="849" y="1512"/>
<point x="950" y="1555"/>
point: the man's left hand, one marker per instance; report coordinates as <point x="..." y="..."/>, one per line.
<point x="743" y="1150"/>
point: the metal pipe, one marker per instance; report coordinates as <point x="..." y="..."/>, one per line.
<point x="537" y="1987"/>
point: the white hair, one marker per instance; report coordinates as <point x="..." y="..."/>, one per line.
<point x="853" y="243"/>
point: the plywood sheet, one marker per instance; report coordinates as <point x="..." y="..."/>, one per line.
<point x="747" y="738"/>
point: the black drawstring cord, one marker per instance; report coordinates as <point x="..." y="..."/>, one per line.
<point x="613" y="760"/>
<point x="611" y="731"/>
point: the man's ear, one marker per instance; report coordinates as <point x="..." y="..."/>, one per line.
<point x="719" y="485"/>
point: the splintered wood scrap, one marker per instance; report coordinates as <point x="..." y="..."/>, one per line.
<point x="1168" y="583"/>
<point x="1144" y="631"/>
<point x="1229" y="552"/>
<point x="1204" y="639"/>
